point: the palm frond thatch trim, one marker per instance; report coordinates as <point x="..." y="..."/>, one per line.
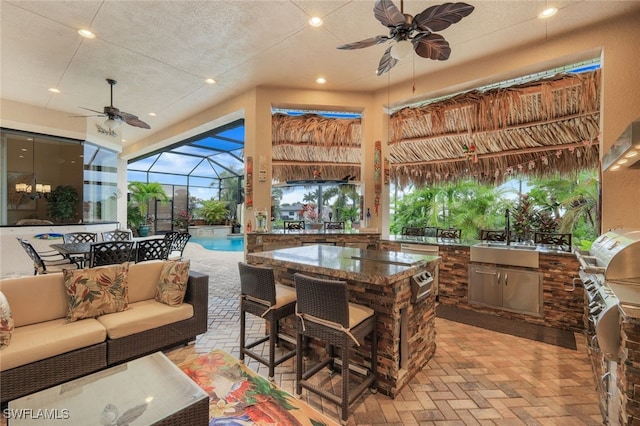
<point x="506" y="128"/>
<point x="312" y="129"/>
<point x="283" y="173"/>
<point x="316" y="153"/>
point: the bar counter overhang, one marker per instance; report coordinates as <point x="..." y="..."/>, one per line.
<point x="382" y="280"/>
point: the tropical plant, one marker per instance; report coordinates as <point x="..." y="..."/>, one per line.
<point x="134" y="217"/>
<point x="348" y="213"/>
<point x="214" y="212"/>
<point x="182" y="220"/>
<point x="144" y="192"/>
<point x="309" y="213"/>
<point x="62" y="202"/>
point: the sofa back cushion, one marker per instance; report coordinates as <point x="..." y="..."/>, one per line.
<point x="143" y="280"/>
<point x="36" y="299"/>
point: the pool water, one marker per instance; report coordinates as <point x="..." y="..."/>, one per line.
<point x="219" y="244"/>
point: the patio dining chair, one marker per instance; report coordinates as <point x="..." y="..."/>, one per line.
<point x="334" y="226"/>
<point x="562" y="241"/>
<point x="46" y="262"/>
<point x="80" y="237"/>
<point x="449" y="233"/>
<point x="152" y="249"/>
<point x="412" y="231"/>
<point x="293" y="225"/>
<point x="178" y="244"/>
<point x="117" y="235"/>
<point x="110" y="253"/>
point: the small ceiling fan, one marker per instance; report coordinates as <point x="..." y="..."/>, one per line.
<point x="115" y="117"/>
<point x="417" y="32"/>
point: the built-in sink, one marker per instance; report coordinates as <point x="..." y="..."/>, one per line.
<point x="502" y="254"/>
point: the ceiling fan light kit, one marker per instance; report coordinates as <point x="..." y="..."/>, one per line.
<point x="412" y="32"/>
<point x="401" y="50"/>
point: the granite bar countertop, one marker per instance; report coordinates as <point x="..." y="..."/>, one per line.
<point x="407" y="239"/>
<point x="317" y="232"/>
<point x="373" y="266"/>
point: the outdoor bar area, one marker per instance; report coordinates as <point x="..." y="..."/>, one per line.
<point x="399" y="288"/>
<point x="279" y="233"/>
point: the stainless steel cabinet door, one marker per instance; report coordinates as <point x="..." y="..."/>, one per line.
<point x="522" y="291"/>
<point x="484" y="286"/>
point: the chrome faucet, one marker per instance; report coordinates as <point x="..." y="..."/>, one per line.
<point x="507" y="227"/>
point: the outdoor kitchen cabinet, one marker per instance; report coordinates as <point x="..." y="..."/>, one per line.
<point x="506" y="288"/>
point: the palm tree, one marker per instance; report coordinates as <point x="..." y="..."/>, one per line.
<point x="143" y="192"/>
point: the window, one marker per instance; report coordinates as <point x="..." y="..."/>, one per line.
<point x="40" y="169"/>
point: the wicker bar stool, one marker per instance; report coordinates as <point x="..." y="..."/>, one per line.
<point x="325" y="313"/>
<point x="262" y="297"/>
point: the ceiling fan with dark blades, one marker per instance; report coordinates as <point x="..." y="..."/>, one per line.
<point x="115" y="117"/>
<point x="412" y="32"/>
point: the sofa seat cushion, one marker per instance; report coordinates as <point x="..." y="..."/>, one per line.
<point x="143" y="316"/>
<point x="35" y="342"/>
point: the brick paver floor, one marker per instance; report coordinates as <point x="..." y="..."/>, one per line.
<point x="476" y="377"/>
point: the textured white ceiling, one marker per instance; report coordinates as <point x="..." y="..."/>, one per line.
<point x="160" y="52"/>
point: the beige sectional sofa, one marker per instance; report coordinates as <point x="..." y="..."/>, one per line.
<point x="45" y="349"/>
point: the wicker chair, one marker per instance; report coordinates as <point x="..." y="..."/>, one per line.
<point x="293" y="225"/>
<point x="334" y="226"/>
<point x="563" y="241"/>
<point x="178" y="244"/>
<point x="152" y="249"/>
<point x="412" y="232"/>
<point x="110" y="253"/>
<point x="262" y="297"/>
<point x="46" y="262"/>
<point x="449" y="233"/>
<point x="324" y="313"/>
<point x="117" y="236"/>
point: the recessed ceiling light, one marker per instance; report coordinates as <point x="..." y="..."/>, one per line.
<point x="86" y="33"/>
<point x="315" y="21"/>
<point x="153" y="114"/>
<point x="548" y="12"/>
<point x="210" y="81"/>
<point x="321" y="80"/>
<point x="615" y="167"/>
<point x="123" y="140"/>
<point x="54" y="90"/>
<point x="21" y="156"/>
<point x="631" y="154"/>
<point x="622" y="161"/>
<point x="23" y="149"/>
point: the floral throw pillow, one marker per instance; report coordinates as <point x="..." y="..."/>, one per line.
<point x="6" y="322"/>
<point x="173" y="282"/>
<point x="96" y="291"/>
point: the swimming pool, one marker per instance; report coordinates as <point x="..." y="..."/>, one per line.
<point x="219" y="244"/>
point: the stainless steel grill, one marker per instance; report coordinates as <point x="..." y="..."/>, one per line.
<point x="610" y="273"/>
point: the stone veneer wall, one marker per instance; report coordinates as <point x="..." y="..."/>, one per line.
<point x="562" y="304"/>
<point x="628" y="374"/>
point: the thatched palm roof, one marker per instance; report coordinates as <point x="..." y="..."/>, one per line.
<point x="536" y="128"/>
<point x="302" y="144"/>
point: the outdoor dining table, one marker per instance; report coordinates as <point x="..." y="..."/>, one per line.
<point x="79" y="252"/>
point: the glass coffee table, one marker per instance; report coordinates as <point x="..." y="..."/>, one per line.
<point x="146" y="391"/>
